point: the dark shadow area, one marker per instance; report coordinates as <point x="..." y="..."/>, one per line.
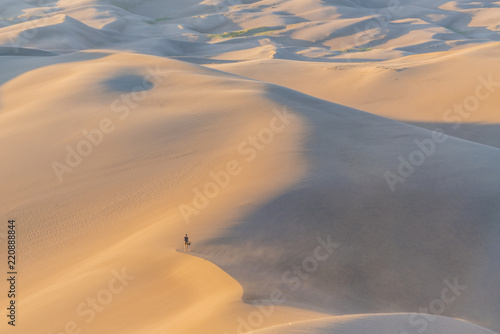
<point x="398" y="250"/>
<point x="128" y="83"/>
<point x="18" y="51"/>
<point x="477" y="5"/>
<point x="486" y="134"/>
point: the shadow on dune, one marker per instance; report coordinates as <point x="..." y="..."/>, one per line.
<point x="398" y="250"/>
<point x="128" y="83"/>
<point x="18" y="51"/>
<point x="486" y="134"/>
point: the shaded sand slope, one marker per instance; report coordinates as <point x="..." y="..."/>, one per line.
<point x="382" y="323"/>
<point x="397" y="248"/>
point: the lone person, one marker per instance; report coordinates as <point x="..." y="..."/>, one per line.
<point x="186" y="243"/>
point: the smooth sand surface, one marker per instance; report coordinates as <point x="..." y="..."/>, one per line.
<point x="293" y="140"/>
<point x="375" y="323"/>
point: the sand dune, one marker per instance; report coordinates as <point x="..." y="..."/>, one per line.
<point x="92" y="207"/>
<point x="293" y="140"/>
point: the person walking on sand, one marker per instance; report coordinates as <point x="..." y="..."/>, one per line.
<point x="186" y="243"/>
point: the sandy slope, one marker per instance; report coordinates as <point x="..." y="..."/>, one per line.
<point x="371" y="323"/>
<point x="115" y="115"/>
